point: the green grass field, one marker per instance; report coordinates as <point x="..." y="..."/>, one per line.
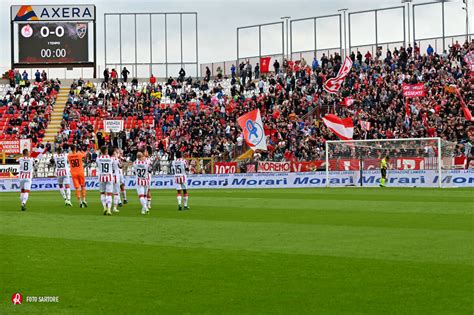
<point x="294" y="251"/>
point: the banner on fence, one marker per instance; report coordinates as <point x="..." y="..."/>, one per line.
<point x="9" y="170"/>
<point x="460" y="178"/>
<point x="15" y="146"/>
<point x="113" y="125"/>
<point x="273" y="167"/>
<point x="225" y="167"/>
<point x="307" y="166"/>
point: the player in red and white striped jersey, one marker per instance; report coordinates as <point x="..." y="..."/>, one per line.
<point x="122" y="177"/>
<point x="62" y="173"/>
<point x="26" y="176"/>
<point x="149" y="161"/>
<point x="105" y="174"/>
<point x="179" y="167"/>
<point x="141" y="168"/>
<point x="113" y="152"/>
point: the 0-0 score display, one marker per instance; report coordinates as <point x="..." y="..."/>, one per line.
<point x="54" y="43"/>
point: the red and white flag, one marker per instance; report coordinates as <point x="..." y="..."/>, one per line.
<point x="346" y="67"/>
<point x="265" y="64"/>
<point x="38" y="153"/>
<point x="469" y="59"/>
<point x="347" y="101"/>
<point x="365" y="125"/>
<point x="254" y="133"/>
<point x="343" y="128"/>
<point x="334" y="84"/>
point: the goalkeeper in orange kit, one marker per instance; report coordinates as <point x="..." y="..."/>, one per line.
<point x="77" y="175"/>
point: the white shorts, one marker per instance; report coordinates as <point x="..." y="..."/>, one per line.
<point x="116" y="188"/>
<point x="142" y="190"/>
<point x="25" y="184"/>
<point x="122" y="179"/>
<point x="106" y="187"/>
<point x="180" y="182"/>
<point x="64" y="180"/>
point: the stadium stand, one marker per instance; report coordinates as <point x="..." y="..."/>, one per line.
<point x="25" y="108"/>
<point x="198" y="117"/>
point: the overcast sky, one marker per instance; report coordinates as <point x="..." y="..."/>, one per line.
<point x="218" y="20"/>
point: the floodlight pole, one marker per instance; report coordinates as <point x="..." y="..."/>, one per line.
<point x="408" y="10"/>
<point x="345" y="41"/>
<point x="286" y="18"/>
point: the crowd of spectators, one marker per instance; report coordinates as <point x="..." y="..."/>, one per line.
<point x="199" y="117"/>
<point x="26" y="106"/>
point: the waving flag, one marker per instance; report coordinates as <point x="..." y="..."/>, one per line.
<point x="469" y="59"/>
<point x="465" y="109"/>
<point x="365" y="125"/>
<point x="343" y="128"/>
<point x="38" y="152"/>
<point x="334" y="84"/>
<point x="252" y="127"/>
<point x="347" y="101"/>
<point x="264" y="64"/>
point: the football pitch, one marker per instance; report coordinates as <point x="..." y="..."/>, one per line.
<point x="293" y="251"/>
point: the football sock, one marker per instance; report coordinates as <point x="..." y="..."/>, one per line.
<point x="63" y="194"/>
<point x="78" y="195"/>
<point x="143" y="203"/>
<point x="382" y="181"/>
<point x="179" y="199"/>
<point x="103" y="200"/>
<point x="68" y="193"/>
<point x="109" y="201"/>
<point x="25" y="197"/>
<point x="116" y="199"/>
<point x="185" y="200"/>
<point x="124" y="194"/>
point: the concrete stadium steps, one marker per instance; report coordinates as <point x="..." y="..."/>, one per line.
<point x="54" y="125"/>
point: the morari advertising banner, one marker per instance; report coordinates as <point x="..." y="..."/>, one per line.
<point x="406" y="178"/>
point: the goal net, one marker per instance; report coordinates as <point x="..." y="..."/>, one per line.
<point x="413" y="162"/>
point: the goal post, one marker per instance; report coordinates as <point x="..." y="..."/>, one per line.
<point x="414" y="162"/>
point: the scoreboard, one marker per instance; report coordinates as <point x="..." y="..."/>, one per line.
<point x="53" y="36"/>
<point x="61" y="42"/>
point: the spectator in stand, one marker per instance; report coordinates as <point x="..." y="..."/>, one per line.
<point x="11" y="77"/>
<point x="276" y="66"/>
<point x="368" y="57"/>
<point x="152" y="80"/>
<point x="257" y="71"/>
<point x="44" y="76"/>
<point x="125" y="74"/>
<point x="114" y="76"/>
<point x="17" y="77"/>
<point x="243" y="75"/>
<point x="182" y="75"/>
<point x="429" y="50"/>
<point x="24" y="75"/>
<point x="315" y="64"/>
<point x="106" y="75"/>
<point x="248" y="68"/>
<point x="208" y="74"/>
<point x="37" y="76"/>
<point x="232" y="70"/>
<point x="241" y="67"/>
<point x="219" y="73"/>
